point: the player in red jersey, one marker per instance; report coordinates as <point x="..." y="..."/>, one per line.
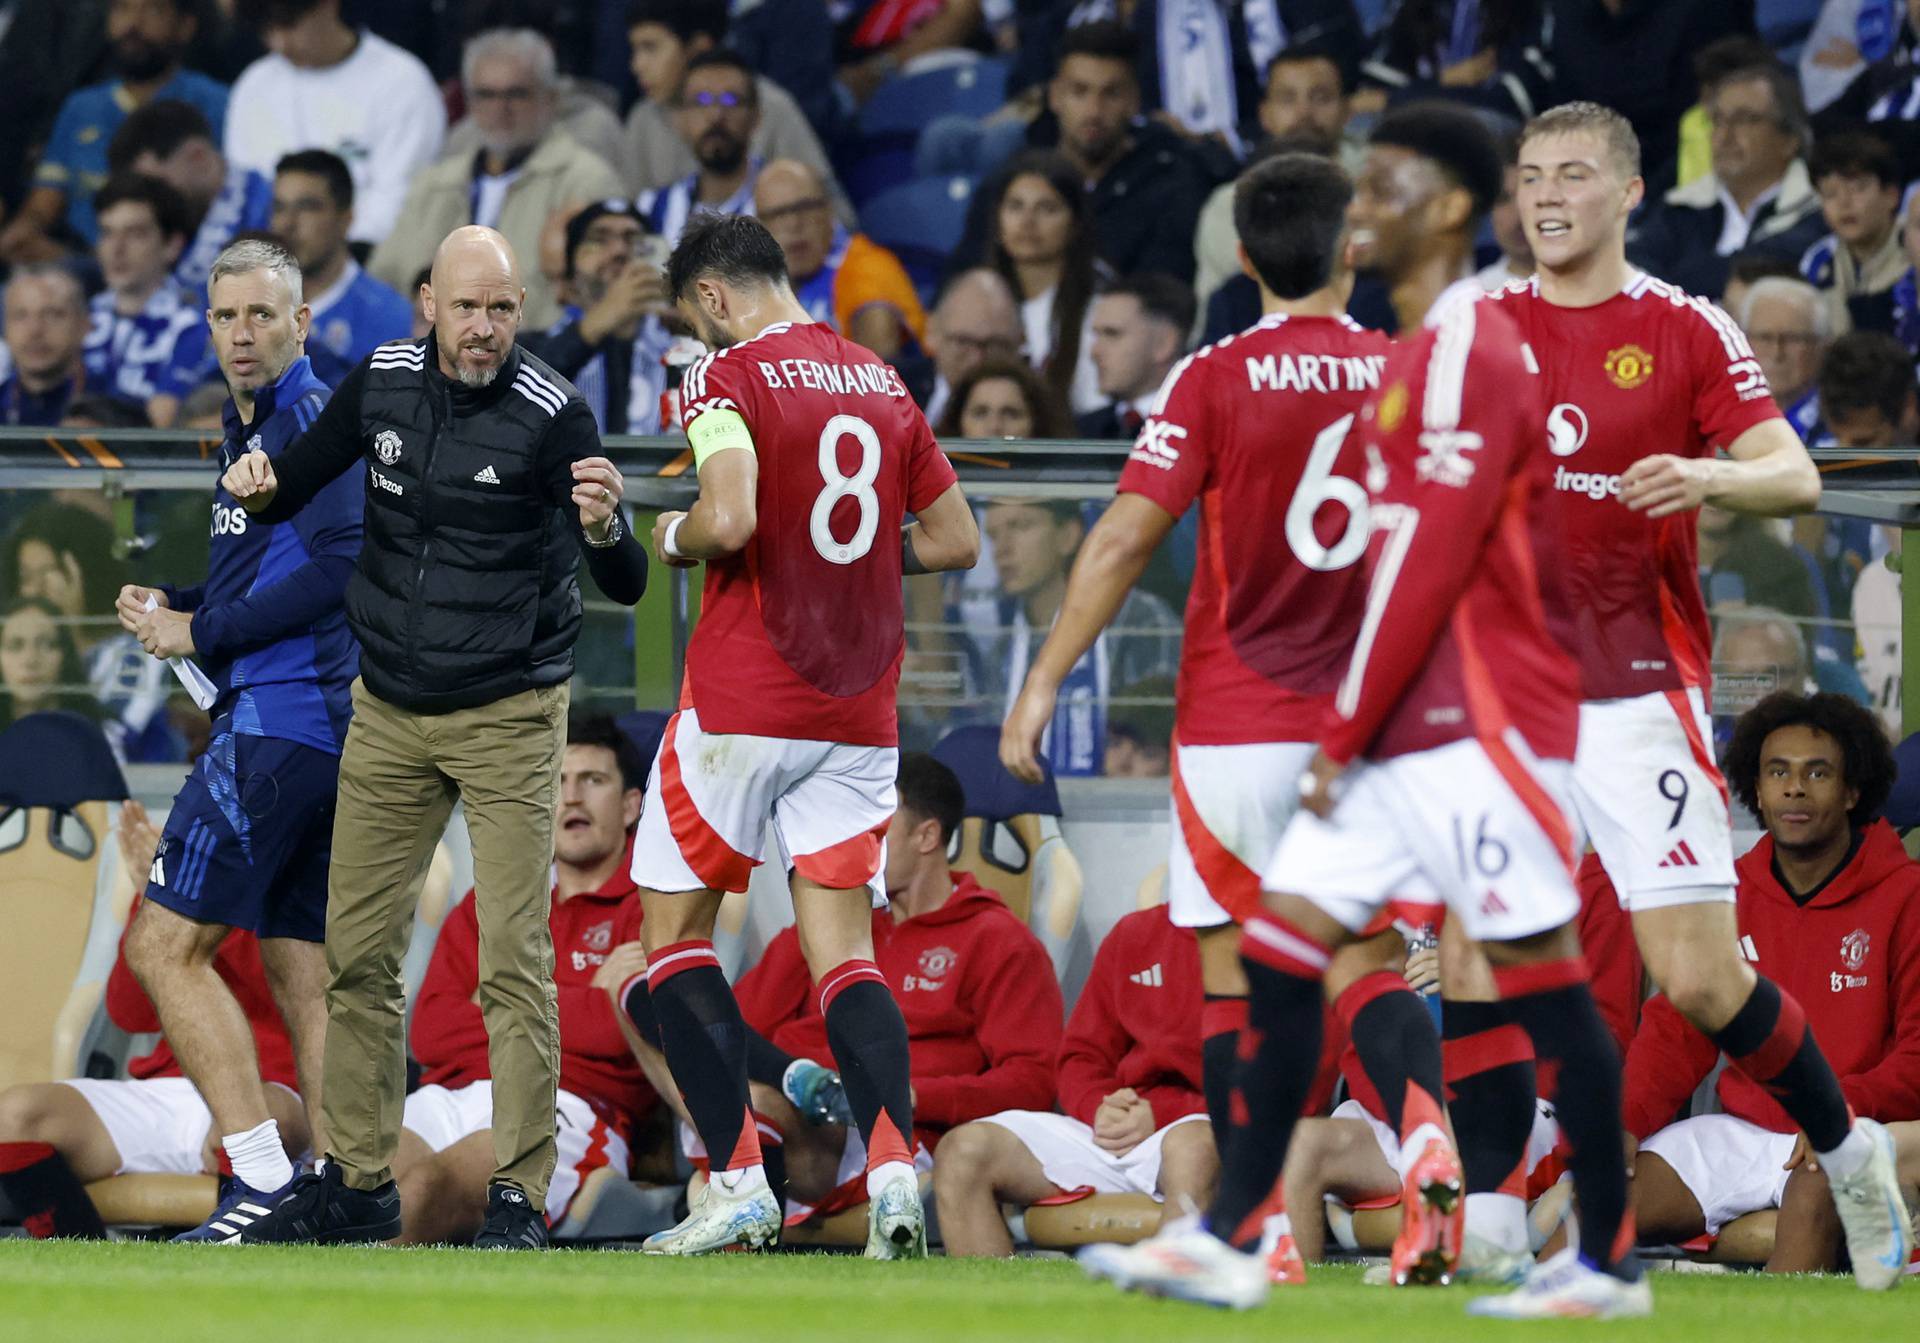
<point x="1256" y="432"/>
<point x="810" y="454"/>
<point x="1644" y="383"/>
<point x="1443" y="772"/>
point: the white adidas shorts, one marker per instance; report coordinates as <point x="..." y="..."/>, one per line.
<point x="1730" y="1167"/>
<point x="1652" y="800"/>
<point x="1070" y="1157"/>
<point x="710" y="797"/>
<point x="1444" y="826"/>
<point x="582" y="1140"/>
<point x="1540" y="1142"/>
<point x="1231" y="804"/>
<point x="159" y="1125"/>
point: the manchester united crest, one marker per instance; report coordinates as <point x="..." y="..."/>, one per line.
<point x="386" y="446"/>
<point x="1629" y="366"/>
<point x="1854" y="948"/>
<point x="938" y="962"/>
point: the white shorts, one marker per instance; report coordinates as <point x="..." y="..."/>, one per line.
<point x="1653" y="801"/>
<point x="1070" y="1158"/>
<point x="583" y="1141"/>
<point x="1230" y="806"/>
<point x="1540" y="1142"/>
<point x="1730" y="1167"/>
<point x="1443" y="826"/>
<point x="710" y="797"/>
<point x="159" y="1126"/>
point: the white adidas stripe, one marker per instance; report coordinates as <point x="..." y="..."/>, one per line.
<point x="547" y="401"/>
<point x="533" y="375"/>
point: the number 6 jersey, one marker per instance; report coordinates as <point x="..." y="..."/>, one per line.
<point x="1256" y="429"/>
<point x="801" y="633"/>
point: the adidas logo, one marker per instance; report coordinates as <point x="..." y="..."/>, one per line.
<point x="485" y="476"/>
<point x="1681" y="856"/>
<point x="511" y="1195"/>
<point x="1493" y="904"/>
<point x="1149" y="977"/>
<point x="156" y="875"/>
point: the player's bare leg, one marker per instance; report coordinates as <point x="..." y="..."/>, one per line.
<point x="51" y="1144"/>
<point x="1692" y="955"/>
<point x="297" y="974"/>
<point x="981" y="1166"/>
<point x="1189" y="1167"/>
<point x="1332" y="1156"/>
<point x="704" y="1041"/>
<point x="1808" y="1236"/>
<point x="869" y="1041"/>
<point x="443" y="1195"/>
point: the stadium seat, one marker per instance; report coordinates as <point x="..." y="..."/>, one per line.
<point x="1100" y="1219"/>
<point x="58" y="778"/>
<point x="154" y="1200"/>
<point x="1011" y="841"/>
<point x="921" y="221"/>
<point x="906" y="103"/>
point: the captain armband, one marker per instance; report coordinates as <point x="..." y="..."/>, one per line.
<point x="716" y="431"/>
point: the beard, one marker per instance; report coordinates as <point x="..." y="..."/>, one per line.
<point x="476" y="378"/>
<point x="140" y="60"/>
<point x="719" y="152"/>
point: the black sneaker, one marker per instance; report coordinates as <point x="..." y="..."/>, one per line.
<point x="321" y="1209"/>
<point x="511" y="1223"/>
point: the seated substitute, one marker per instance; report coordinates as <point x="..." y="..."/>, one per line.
<point x="1829" y="904"/>
<point x="57" y="1137"/>
<point x="446" y="1156"/>
<point x="1134" y="1118"/>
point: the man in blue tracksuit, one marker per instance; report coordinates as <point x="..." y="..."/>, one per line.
<point x="248" y="840"/>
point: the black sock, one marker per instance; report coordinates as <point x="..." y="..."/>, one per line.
<point x="705" y="1045"/>
<point x="638" y="1005"/>
<point x="767" y="1063"/>
<point x="1393" y="1034"/>
<point x="1769" y="1041"/>
<point x="1490" y="1090"/>
<point x="869" y="1041"/>
<point x="1553" y="1003"/>
<point x="44" y="1194"/>
<point x="1222" y="1017"/>
<point x="1279" y="1055"/>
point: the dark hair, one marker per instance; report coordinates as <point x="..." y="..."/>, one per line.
<point x="597" y="729"/>
<point x="722" y="59"/>
<point x="685" y="19"/>
<point x="1078" y="273"/>
<point x="1149" y="725"/>
<point x="1103" y="38"/>
<point x="262" y="14"/>
<point x="1866" y="370"/>
<point x="1453" y="138"/>
<point x="1049" y="412"/>
<point x="1789" y="108"/>
<point x="1303" y="53"/>
<point x="326" y="165"/>
<point x="1727" y="55"/>
<point x="68" y="529"/>
<point x="158" y="129"/>
<point x="169" y="208"/>
<point x="77" y="697"/>
<point x="1750" y="267"/>
<point x="1291" y="212"/>
<point x="1159" y="296"/>
<point x="1416" y="32"/>
<point x="734" y="248"/>
<point x="1866" y="756"/>
<point x="931" y="791"/>
<point x="1854" y="154"/>
<point x="109" y="412"/>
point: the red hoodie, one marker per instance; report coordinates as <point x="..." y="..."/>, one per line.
<point x="1137" y="1022"/>
<point x="450" y="1034"/>
<point x="977" y="989"/>
<point x="238" y="963"/>
<point x="1851" y="958"/>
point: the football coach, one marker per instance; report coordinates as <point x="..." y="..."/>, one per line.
<point x="483" y="479"/>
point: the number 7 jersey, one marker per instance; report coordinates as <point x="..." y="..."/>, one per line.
<point x="1256" y="429"/>
<point x="801" y="633"/>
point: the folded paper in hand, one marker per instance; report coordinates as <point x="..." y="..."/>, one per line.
<point x="203" y="690"/>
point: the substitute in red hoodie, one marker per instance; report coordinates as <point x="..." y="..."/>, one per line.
<point x="1829" y="907"/>
<point x="596" y="945"/>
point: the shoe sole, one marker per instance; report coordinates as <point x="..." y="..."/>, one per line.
<point x="1877" y="1274"/>
<point x="1436" y="1230"/>
<point x="1168" y="1291"/>
<point x="751" y="1242"/>
<point x="353" y="1235"/>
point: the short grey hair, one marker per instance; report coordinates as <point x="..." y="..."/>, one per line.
<point x="1789" y="107"/>
<point x="54" y="271"/>
<point x="525" y="45"/>
<point x="251" y="254"/>
<point x="1811" y="301"/>
<point x="1736" y="620"/>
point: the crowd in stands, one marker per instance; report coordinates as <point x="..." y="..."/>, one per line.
<point x="1026" y="208"/>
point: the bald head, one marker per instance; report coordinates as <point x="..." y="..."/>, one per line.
<point x="976" y="317"/>
<point x="473" y="297"/>
<point x="792" y="201"/>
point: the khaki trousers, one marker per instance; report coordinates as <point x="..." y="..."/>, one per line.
<point x="399" y="775"/>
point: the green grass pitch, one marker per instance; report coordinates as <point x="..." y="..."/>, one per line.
<point x="152" y="1293"/>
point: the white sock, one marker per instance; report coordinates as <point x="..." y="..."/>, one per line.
<point x="1854" y="1151"/>
<point x="258" y="1157"/>
<point x="740" y="1183"/>
<point x="886" y="1173"/>
<point x="1500" y="1220"/>
<point x="1416" y="1144"/>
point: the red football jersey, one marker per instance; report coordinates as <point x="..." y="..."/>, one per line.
<point x="801" y="633"/>
<point x="1256" y="428"/>
<point x="1653" y="370"/>
<point x="1454" y="644"/>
